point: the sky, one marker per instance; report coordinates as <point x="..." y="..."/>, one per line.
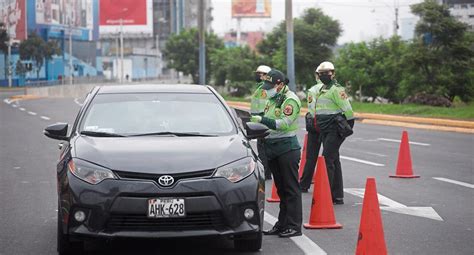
<point x="361" y="20"/>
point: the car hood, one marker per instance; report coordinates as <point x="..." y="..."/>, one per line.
<point x="160" y="154"/>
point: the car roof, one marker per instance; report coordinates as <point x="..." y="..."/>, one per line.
<point x="151" y="88"/>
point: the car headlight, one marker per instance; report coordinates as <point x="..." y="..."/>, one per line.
<point x="236" y="170"/>
<point x="89" y="172"/>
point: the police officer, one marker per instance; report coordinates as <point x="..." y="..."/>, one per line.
<point x="314" y="142"/>
<point x="335" y="119"/>
<point x="257" y="106"/>
<point x="283" y="151"/>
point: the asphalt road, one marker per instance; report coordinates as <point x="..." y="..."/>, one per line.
<point x="28" y="191"/>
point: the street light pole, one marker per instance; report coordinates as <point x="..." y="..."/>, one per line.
<point x="71" y="68"/>
<point x="121" y="50"/>
<point x="202" y="43"/>
<point x="290" y="54"/>
<point x="9" y="62"/>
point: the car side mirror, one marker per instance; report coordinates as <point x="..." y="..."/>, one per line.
<point x="57" y="131"/>
<point x="256" y="130"/>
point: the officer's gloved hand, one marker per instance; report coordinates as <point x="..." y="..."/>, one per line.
<point x="256" y="119"/>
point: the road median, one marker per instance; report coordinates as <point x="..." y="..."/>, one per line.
<point x="460" y="126"/>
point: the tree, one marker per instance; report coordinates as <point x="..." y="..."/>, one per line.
<point x="233" y="64"/>
<point x="441" y="56"/>
<point x="37" y="50"/>
<point x="314" y="35"/>
<point x="375" y="67"/>
<point x="183" y="52"/>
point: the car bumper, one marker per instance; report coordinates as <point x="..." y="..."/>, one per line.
<point x="118" y="208"/>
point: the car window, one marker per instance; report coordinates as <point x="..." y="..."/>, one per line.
<point x="131" y="114"/>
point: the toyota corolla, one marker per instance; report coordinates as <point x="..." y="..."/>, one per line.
<point x="153" y="161"/>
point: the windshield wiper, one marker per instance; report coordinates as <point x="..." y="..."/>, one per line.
<point x="100" y="134"/>
<point x="174" y="133"/>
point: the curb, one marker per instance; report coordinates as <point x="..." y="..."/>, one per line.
<point x="459" y="126"/>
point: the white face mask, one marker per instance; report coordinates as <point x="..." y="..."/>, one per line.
<point x="271" y="92"/>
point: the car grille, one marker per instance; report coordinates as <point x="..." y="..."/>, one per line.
<point x="154" y="177"/>
<point x="192" y="221"/>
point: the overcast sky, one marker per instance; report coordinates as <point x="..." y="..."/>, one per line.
<point x="359" y="19"/>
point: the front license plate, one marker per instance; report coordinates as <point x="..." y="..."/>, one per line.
<point x="166" y="207"/>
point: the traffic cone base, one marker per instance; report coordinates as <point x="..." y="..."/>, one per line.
<point x="404" y="176"/>
<point x="273" y="200"/>
<point x="322" y="226"/>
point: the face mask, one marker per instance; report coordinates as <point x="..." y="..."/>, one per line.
<point x="271" y="92"/>
<point x="258" y="78"/>
<point x="325" y="78"/>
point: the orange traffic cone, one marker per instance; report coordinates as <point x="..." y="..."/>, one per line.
<point x="322" y="210"/>
<point x="404" y="166"/>
<point x="274" y="197"/>
<point x="303" y="157"/>
<point x="371" y="238"/>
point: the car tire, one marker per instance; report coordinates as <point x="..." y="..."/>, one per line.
<point x="252" y="242"/>
<point x="64" y="245"/>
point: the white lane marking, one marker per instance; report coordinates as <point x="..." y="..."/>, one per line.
<point x="14" y="105"/>
<point x="76" y="100"/>
<point x="393" y="206"/>
<point x="7" y="101"/>
<point x="455" y="182"/>
<point x="32" y="113"/>
<point x="22" y="109"/>
<point x="303" y="242"/>
<point x="45" y="118"/>
<point x="362" y="161"/>
<point x="375" y="154"/>
<point x="398" y="141"/>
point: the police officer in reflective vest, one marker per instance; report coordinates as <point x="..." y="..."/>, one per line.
<point x="257" y="106"/>
<point x="314" y="139"/>
<point x="283" y="151"/>
<point x="335" y="119"/>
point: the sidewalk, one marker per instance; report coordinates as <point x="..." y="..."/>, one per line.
<point x="459" y="126"/>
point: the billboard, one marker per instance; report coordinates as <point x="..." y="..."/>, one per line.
<point x="62" y="17"/>
<point x="251" y="9"/>
<point x="13" y="16"/>
<point x="136" y="16"/>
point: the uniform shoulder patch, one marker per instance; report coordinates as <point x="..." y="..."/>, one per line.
<point x="264" y="94"/>
<point x="310" y="99"/>
<point x="288" y="110"/>
<point x="343" y="94"/>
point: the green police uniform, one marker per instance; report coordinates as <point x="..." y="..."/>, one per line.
<point x="313" y="144"/>
<point x="258" y="101"/>
<point x="283" y="152"/>
<point x="332" y="101"/>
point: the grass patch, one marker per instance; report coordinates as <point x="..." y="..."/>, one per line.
<point x="464" y="112"/>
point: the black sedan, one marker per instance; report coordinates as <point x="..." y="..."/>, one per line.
<point x="153" y="161"/>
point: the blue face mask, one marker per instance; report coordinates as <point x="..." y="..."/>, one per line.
<point x="271" y="92"/>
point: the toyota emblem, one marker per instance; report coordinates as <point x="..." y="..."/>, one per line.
<point x="166" y="180"/>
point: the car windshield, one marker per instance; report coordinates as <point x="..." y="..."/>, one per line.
<point x="155" y="113"/>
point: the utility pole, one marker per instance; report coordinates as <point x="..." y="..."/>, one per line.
<point x="202" y="41"/>
<point x="9" y="51"/>
<point x="290" y="54"/>
<point x="71" y="68"/>
<point x="239" y="20"/>
<point x="395" y="25"/>
<point x="121" y="50"/>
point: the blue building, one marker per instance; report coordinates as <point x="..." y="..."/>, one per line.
<point x="55" y="21"/>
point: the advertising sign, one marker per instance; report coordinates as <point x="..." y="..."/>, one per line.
<point x="135" y="16"/>
<point x="61" y="17"/>
<point x="13" y="16"/>
<point x="251" y="9"/>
